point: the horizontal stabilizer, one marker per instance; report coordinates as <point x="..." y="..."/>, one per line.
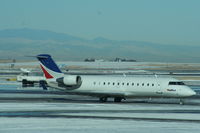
<point x="38" y="56"/>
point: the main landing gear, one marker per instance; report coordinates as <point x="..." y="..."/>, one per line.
<point x="103" y="99"/>
<point x="116" y="99"/>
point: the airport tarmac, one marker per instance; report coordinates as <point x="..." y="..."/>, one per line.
<point x="51" y="117"/>
<point x="34" y="111"/>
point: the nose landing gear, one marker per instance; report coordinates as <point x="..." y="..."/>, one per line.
<point x="181" y="102"/>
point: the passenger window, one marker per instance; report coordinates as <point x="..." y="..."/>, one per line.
<point x="108" y="83"/>
<point x="113" y="83"/>
<point x="127" y="84"/>
<point x="132" y="84"/>
<point x="94" y="83"/>
<point x="117" y="83"/>
<point x="122" y="83"/>
<point x="148" y="84"/>
<point x="104" y="83"/>
<point x="152" y="84"/>
<point x="137" y="84"/>
<point x="142" y="84"/>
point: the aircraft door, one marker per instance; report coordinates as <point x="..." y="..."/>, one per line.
<point x="159" y="90"/>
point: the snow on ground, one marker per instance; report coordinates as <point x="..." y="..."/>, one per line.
<point x="61" y="125"/>
<point x="27" y="122"/>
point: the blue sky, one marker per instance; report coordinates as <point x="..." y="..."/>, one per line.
<point x="160" y="21"/>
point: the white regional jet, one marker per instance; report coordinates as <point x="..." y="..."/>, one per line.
<point x="117" y="87"/>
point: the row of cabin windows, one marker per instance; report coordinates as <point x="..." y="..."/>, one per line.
<point x="127" y="84"/>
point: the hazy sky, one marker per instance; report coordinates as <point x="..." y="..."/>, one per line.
<point x="162" y="21"/>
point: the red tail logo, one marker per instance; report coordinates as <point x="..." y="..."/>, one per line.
<point x="47" y="75"/>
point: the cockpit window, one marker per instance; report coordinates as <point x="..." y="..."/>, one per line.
<point x="176" y="83"/>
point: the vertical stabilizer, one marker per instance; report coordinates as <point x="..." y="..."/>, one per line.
<point x="49" y="67"/>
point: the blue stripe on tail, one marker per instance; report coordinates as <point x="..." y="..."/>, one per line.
<point x="48" y="62"/>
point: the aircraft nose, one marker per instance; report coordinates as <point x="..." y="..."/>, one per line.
<point x="188" y="92"/>
<point x="191" y="93"/>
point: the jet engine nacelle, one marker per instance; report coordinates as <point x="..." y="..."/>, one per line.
<point x="69" y="80"/>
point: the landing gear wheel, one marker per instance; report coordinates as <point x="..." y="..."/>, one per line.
<point x="103" y="99"/>
<point x="117" y="99"/>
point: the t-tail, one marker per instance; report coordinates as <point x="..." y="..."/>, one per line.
<point x="49" y="67"/>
